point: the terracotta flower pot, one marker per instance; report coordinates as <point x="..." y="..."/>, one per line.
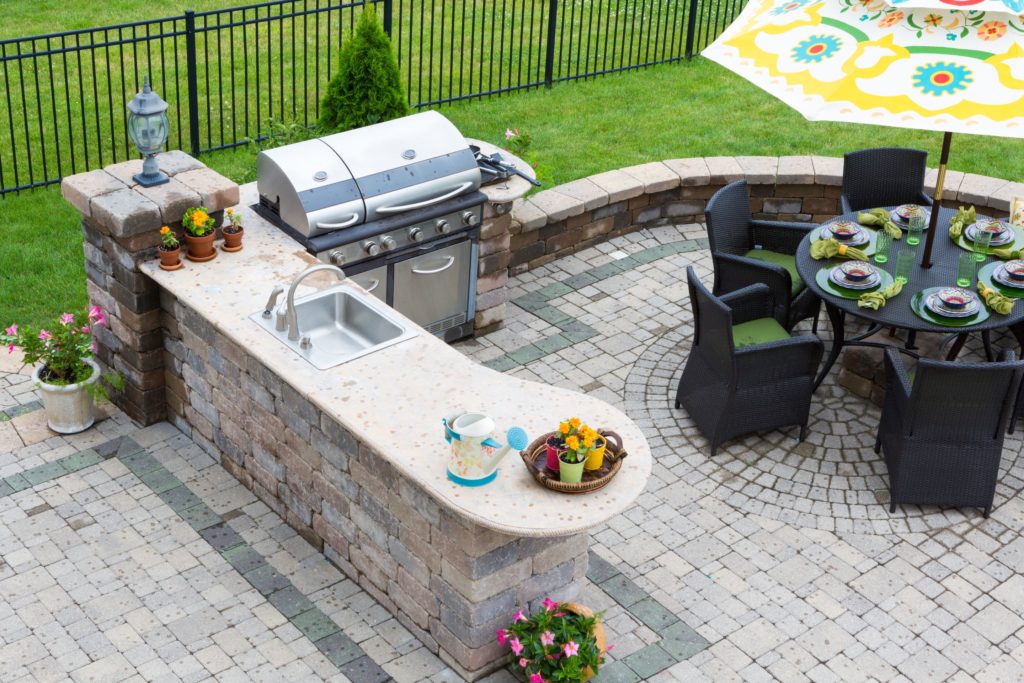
<point x="599" y="635"/>
<point x="200" y="248"/>
<point x="170" y="259"/>
<point x="232" y="240"/>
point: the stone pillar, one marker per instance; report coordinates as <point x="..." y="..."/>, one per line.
<point x="121" y="223"/>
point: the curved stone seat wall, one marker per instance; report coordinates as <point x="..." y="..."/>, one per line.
<point x="579" y="214"/>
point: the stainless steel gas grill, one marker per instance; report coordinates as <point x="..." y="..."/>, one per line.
<point x="395" y="204"/>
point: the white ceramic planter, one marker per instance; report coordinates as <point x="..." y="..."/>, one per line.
<point x="69" y="408"/>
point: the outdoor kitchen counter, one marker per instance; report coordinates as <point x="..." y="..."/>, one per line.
<point x="394" y="399"/>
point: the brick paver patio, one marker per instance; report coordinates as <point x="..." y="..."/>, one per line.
<point x="129" y="554"/>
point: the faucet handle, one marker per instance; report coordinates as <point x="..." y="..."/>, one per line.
<point x="272" y="300"/>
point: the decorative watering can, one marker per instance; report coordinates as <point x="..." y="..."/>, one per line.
<point x="475" y="453"/>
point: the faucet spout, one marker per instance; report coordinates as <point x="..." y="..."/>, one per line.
<point x="293" y="323"/>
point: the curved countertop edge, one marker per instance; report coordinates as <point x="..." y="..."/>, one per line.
<point x="227" y="290"/>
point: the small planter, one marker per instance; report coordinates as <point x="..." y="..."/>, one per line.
<point x="232" y="239"/>
<point x="200" y="249"/>
<point x="170" y="259"/>
<point x="596" y="457"/>
<point x="69" y="407"/>
<point x="569" y="472"/>
<point x="555" y="447"/>
<point x="600" y="640"/>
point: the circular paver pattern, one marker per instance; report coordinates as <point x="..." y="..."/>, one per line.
<point x="833" y="481"/>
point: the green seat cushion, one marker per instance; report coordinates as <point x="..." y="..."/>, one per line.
<point x="787" y="261"/>
<point x="758" y="331"/>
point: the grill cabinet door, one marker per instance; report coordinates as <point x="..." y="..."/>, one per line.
<point x="374" y="281"/>
<point x="432" y="289"/>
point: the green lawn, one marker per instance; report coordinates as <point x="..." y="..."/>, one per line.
<point x="679" y="110"/>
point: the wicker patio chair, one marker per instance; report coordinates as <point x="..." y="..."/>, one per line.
<point x="747" y="251"/>
<point x="745" y="373"/>
<point x="942" y="435"/>
<point x="884" y="176"/>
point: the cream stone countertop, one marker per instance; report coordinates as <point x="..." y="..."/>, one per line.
<point x="394" y="399"/>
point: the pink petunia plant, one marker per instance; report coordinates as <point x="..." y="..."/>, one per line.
<point x="554" y="644"/>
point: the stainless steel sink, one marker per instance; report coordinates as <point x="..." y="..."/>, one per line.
<point x="338" y="325"/>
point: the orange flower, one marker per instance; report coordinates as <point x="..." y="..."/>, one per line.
<point x="199" y="218"/>
<point x="164" y="230"/>
<point x="891" y="19"/>
<point x="574" y="421"/>
<point x="992" y="30"/>
<point x="572" y="442"/>
<point x="563" y="427"/>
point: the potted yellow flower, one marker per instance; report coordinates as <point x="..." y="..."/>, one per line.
<point x="578" y="446"/>
<point x="233" y="231"/>
<point x="169" y="250"/>
<point x="199" y="234"/>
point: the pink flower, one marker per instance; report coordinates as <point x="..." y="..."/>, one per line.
<point x="95" y="312"/>
<point x="537" y="678"/>
<point x="549" y="604"/>
<point x="67" y="319"/>
<point x="523" y="662"/>
<point x="519" y="616"/>
<point x="10" y="349"/>
<point x="509" y="134"/>
<point x="502" y="636"/>
<point x="92" y="347"/>
<point x="85" y="329"/>
<point x="609" y="648"/>
<point x="547" y="638"/>
<point x="12" y="330"/>
<point x="571" y="649"/>
<point x="516" y="646"/>
<point x="44" y="335"/>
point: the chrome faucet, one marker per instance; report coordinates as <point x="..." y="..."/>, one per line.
<point x="293" y="323"/>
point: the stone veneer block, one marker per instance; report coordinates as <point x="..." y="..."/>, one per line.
<point x="656" y="176"/>
<point x="592" y="196"/>
<point x="723" y="170"/>
<point x="172" y="197"/>
<point x="950" y="188"/>
<point x="1002" y="198"/>
<point x="176" y="161"/>
<point x="529" y="215"/>
<point x="759" y="170"/>
<point x="215" y="191"/>
<point x="124" y="171"/>
<point x="691" y="172"/>
<point x="976" y="189"/>
<point x="796" y="170"/>
<point x="81" y="188"/>
<point x="556" y="205"/>
<point x="828" y="171"/>
<point x="125" y="213"/>
<point x="618" y="185"/>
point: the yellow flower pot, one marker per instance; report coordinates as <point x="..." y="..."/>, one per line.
<point x="596" y="457"/>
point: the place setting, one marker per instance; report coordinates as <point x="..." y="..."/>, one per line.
<point x="851" y="279"/>
<point x="849" y="234"/>
<point x="1005" y="277"/>
<point x="986" y="234"/>
<point x="949" y="306"/>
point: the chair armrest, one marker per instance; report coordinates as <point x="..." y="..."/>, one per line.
<point x="897" y="379"/>
<point x="736" y="272"/>
<point x="779" y="236"/>
<point x="844" y="204"/>
<point x="750" y="303"/>
<point x="925" y="199"/>
<point x="784" y="359"/>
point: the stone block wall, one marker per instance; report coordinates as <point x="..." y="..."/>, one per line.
<point x="121" y="223"/>
<point x="450" y="582"/>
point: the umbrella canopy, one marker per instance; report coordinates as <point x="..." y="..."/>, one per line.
<point x="867" y="61"/>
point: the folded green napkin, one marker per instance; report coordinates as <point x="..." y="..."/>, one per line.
<point x="1004" y="253"/>
<point x="880" y="218"/>
<point x="827" y="248"/>
<point x="961" y="220"/>
<point x="875" y="300"/>
<point x="999" y="303"/>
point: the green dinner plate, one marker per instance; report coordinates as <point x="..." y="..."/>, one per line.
<point x="922" y="311"/>
<point x="985" y="275"/>
<point x="1017" y="243"/>
<point x="868" y="249"/>
<point x="832" y="288"/>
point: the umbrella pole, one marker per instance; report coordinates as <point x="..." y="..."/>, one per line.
<point x="926" y="259"/>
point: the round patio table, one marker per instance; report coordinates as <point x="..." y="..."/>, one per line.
<point x="897" y="312"/>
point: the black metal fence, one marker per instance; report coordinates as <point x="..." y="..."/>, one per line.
<point x="228" y="74"/>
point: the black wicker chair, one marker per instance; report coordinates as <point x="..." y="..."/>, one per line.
<point x="885" y="176"/>
<point x="942" y="436"/>
<point x="745" y="373"/>
<point x="747" y="251"/>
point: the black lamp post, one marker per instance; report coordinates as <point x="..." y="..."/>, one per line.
<point x="148" y="127"/>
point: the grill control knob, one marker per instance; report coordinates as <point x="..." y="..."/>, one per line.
<point x="387" y="243"/>
<point x="443" y="227"/>
<point x="468" y="217"/>
<point x="416" y="235"/>
<point x="337" y="258"/>
<point x="371" y="248"/>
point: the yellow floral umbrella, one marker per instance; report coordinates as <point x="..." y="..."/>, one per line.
<point x="909" y="64"/>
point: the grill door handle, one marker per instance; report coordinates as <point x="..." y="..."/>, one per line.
<point x="433" y="271"/>
<point x="337" y="226"/>
<point x="428" y="202"/>
<point x="371" y="287"/>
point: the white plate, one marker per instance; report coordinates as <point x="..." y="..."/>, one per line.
<point x="1002" y="277"/>
<point x="837" y="277"/>
<point x="903" y="223"/>
<point x="935" y="305"/>
<point x="858" y="240"/>
<point x="1005" y="237"/>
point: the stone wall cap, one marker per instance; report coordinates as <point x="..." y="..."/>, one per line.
<point x="81" y="188"/>
<point x="723" y="170"/>
<point x="759" y="170"/>
<point x="529" y="215"/>
<point x="124" y="171"/>
<point x="795" y="170"/>
<point x="125" y="213"/>
<point x="215" y="191"/>
<point x="618" y="185"/>
<point x="556" y="205"/>
<point x="175" y="161"/>
<point x="592" y="196"/>
<point x="828" y="171"/>
<point x="691" y="172"/>
<point x="656" y="176"/>
<point x="173" y="198"/>
<point x="1002" y="197"/>
<point x="977" y="189"/>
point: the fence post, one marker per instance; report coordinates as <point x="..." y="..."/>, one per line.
<point x="549" y="61"/>
<point x="388" y="8"/>
<point x="193" y="80"/>
<point x="691" y="28"/>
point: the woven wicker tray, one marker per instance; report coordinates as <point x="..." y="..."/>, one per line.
<point x="535" y="459"/>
